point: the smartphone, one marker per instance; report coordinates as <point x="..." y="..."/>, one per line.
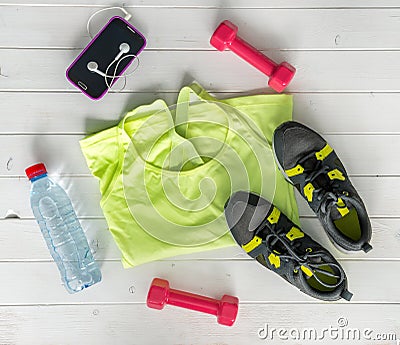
<point x="103" y="49"/>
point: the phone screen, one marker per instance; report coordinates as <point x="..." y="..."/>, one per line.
<point x="103" y="49"/>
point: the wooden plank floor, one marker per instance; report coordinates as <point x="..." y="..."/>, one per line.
<point x="347" y="87"/>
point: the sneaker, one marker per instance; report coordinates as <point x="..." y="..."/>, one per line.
<point x="268" y="236"/>
<point x="310" y="164"/>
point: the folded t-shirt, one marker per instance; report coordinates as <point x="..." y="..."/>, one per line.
<point x="165" y="173"/>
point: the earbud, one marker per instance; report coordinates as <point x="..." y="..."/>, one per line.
<point x="123" y="49"/>
<point x="92" y="66"/>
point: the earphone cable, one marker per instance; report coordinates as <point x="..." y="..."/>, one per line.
<point x="114" y="76"/>
<point x="123" y="10"/>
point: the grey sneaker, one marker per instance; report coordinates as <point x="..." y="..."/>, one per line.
<point x="268" y="236"/>
<point x="310" y="164"/>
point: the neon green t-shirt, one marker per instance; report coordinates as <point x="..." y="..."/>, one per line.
<point x="166" y="173"/>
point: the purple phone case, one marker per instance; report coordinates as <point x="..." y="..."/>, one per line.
<point x="91" y="42"/>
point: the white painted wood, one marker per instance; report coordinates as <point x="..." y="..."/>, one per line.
<point x="193" y="27"/>
<point x="310" y="4"/>
<point x="356" y="152"/>
<point x="22" y="241"/>
<point x="380" y="195"/>
<point x="136" y="324"/>
<point x="361" y="71"/>
<point x="346" y="87"/>
<point x="39" y="283"/>
<point x="328" y="113"/>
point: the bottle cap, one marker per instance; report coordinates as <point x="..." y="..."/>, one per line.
<point x="35" y="170"/>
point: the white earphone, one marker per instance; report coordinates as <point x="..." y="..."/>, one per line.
<point x="124" y="48"/>
<point x="92" y="66"/>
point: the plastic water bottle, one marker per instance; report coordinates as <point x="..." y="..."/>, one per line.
<point x="62" y="231"/>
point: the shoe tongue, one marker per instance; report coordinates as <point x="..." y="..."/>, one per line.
<point x="340" y="209"/>
<point x="255" y="215"/>
<point x="320" y="181"/>
<point x="310" y="164"/>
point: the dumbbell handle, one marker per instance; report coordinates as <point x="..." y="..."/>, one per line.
<point x="160" y="294"/>
<point x="192" y="301"/>
<point x="252" y="56"/>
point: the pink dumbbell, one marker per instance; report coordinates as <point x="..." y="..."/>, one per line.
<point x="224" y="309"/>
<point x="225" y="37"/>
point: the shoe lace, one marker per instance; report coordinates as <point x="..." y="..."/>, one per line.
<point x="326" y="196"/>
<point x="305" y="260"/>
